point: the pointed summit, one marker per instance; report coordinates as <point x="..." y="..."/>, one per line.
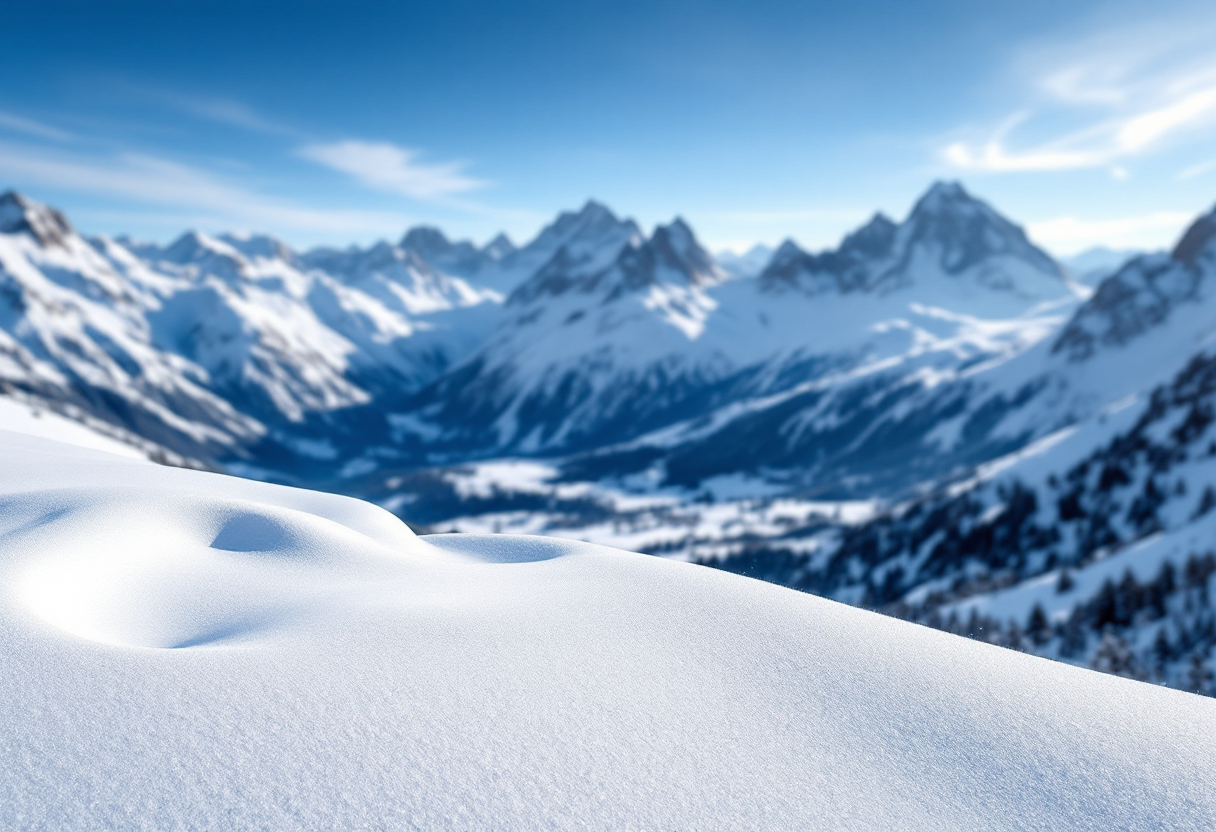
<point x="192" y="245"/>
<point x="426" y="241"/>
<point x="499" y="247"/>
<point x="573" y="246"/>
<point x="941" y="194"/>
<point x="948" y="233"/>
<point x="959" y="232"/>
<point x="676" y="248"/>
<point x="454" y="257"/>
<point x="207" y="253"/>
<point x="594" y="210"/>
<point x="874" y="239"/>
<point x="592" y="217"/>
<point x="20" y="215"/>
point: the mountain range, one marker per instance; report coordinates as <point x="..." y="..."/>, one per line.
<point x="918" y="400"/>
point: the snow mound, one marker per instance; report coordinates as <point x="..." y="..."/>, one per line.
<point x="332" y="670"/>
<point x="183" y="570"/>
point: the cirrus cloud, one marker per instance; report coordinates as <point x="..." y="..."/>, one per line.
<point x="1095" y="102"/>
<point x="388" y="167"/>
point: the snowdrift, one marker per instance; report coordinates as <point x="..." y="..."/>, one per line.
<point x="186" y="650"/>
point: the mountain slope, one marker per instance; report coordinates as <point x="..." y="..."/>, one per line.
<point x="73" y="330"/>
<point x="210" y="345"/>
<point x="947" y="403"/>
<point x="1092" y="545"/>
<point x="595" y="353"/>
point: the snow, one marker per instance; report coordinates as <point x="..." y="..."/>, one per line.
<point x="187" y="650"/>
<point x="20" y="417"/>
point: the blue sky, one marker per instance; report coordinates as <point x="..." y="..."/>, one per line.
<point x="1090" y="122"/>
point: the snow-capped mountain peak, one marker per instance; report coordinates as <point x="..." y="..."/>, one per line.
<point x="601" y="259"/>
<point x="593" y="224"/>
<point x="458" y="258"/>
<point x="259" y="246"/>
<point x="677" y="250"/>
<point x="21" y="215"/>
<point x="874" y="239"/>
<point x="426" y="240"/>
<point x="965" y="231"/>
<point x="196" y="247"/>
<point x="499" y="247"/>
<point x="949" y="235"/>
<point x="943" y="195"/>
<point x="1144" y="293"/>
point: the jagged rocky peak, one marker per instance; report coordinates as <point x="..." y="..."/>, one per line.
<point x="594" y="219"/>
<point x="875" y="239"/>
<point x="499" y="247"/>
<point x="1143" y="294"/>
<point x="609" y="257"/>
<point x="20" y="215"/>
<point x="1197" y="240"/>
<point x="426" y="241"/>
<point x="200" y="249"/>
<point x="593" y="212"/>
<point x="456" y="257"/>
<point x="947" y="232"/>
<point x="966" y="231"/>
<point x="676" y="248"/>
<point x="786" y="265"/>
<point x="855" y="266"/>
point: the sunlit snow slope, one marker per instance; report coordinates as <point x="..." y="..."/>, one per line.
<point x="186" y="650"/>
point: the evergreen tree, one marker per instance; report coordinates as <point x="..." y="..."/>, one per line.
<point x="1163" y="652"/>
<point x="1114" y="655"/>
<point x="1199" y="677"/>
<point x="1073" y="639"/>
<point x="1037" y="627"/>
<point x="1014" y="639"/>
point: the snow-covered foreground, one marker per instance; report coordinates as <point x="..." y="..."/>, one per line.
<point x="25" y="417"/>
<point x="185" y="650"/>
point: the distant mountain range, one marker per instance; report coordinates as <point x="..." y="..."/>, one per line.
<point x="941" y="371"/>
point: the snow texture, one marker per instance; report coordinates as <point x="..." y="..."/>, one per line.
<point x="186" y="650"/>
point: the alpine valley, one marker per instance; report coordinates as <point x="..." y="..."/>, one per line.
<point x="935" y="419"/>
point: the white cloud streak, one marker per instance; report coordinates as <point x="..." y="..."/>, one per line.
<point x="1132" y="91"/>
<point x="152" y="180"/>
<point x="1195" y="170"/>
<point x="233" y="114"/>
<point x="30" y="127"/>
<point x="388" y="167"/>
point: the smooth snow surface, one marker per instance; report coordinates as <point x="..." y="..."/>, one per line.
<point x="23" y="417"/>
<point x="186" y="650"/>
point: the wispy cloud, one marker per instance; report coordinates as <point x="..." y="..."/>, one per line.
<point x="155" y="181"/>
<point x="233" y="114"/>
<point x="200" y="105"/>
<point x="1118" y="94"/>
<point x="1196" y="170"/>
<point x="30" y="127"/>
<point x="1068" y="235"/>
<point x="387" y="167"/>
